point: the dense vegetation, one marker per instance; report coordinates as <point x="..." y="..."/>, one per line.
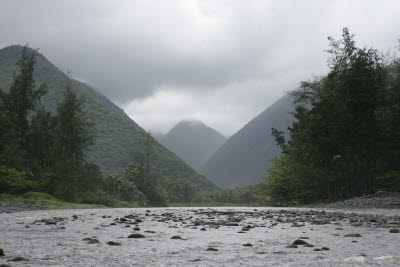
<point x="116" y="135"/>
<point x="345" y="140"/>
<point x="42" y="152"/>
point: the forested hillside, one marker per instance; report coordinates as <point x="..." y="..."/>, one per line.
<point x="116" y="135"/>
<point x="193" y="141"/>
<point x="245" y="156"/>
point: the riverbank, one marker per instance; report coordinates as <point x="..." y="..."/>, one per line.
<point x="41" y="201"/>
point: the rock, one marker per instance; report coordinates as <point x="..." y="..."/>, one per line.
<point x="113" y="243"/>
<point x="5" y="265"/>
<point x="136" y="228"/>
<point x="2" y="252"/>
<point x="93" y="241"/>
<point x="325" y="248"/>
<point x="176" y="237"/>
<point x="149" y="231"/>
<point x="385" y="258"/>
<point x="300" y="242"/>
<point x="19" y="258"/>
<point x="317" y="249"/>
<point x="353" y="235"/>
<point x="291" y="246"/>
<point x="356" y="259"/>
<point x="308" y="246"/>
<point x="211" y="249"/>
<point x="136" y="236"/>
<point x="394" y="231"/>
<point x="247" y="245"/>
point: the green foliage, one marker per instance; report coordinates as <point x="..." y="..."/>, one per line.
<point x="23" y="95"/>
<point x="179" y="190"/>
<point x="289" y="182"/>
<point x="98" y="197"/>
<point x="121" y="187"/>
<point x="116" y="134"/>
<point x="345" y="133"/>
<point x="389" y="181"/>
<point x="14" y="182"/>
<point x="11" y="153"/>
<point x="240" y="195"/>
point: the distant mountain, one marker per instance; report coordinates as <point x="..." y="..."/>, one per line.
<point x="246" y="155"/>
<point x="117" y="136"/>
<point x="193" y="141"/>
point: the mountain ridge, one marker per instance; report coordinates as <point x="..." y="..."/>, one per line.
<point x="243" y="159"/>
<point x="117" y="135"/>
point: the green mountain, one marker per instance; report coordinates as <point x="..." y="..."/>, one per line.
<point x="244" y="157"/>
<point x="117" y="136"/>
<point x="193" y="141"/>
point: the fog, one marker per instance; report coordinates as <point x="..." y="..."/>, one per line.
<point x="221" y="62"/>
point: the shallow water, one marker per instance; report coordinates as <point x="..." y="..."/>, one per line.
<point x="61" y="244"/>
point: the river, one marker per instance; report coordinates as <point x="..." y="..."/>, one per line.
<point x="209" y="237"/>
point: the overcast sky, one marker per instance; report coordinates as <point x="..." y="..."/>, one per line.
<point x="221" y="62"/>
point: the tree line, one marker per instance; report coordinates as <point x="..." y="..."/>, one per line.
<point x="345" y="138"/>
<point x="42" y="152"/>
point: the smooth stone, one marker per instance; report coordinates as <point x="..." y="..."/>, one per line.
<point x="299" y="242"/>
<point x="136" y="236"/>
<point x="19" y="258"/>
<point x="113" y="243"/>
<point x="353" y="235"/>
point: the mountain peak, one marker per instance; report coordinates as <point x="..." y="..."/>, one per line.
<point x="193" y="141"/>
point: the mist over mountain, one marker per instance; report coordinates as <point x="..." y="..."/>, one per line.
<point x="245" y="156"/>
<point x="193" y="141"/>
<point x="116" y="134"/>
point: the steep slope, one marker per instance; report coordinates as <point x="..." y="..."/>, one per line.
<point x="116" y="134"/>
<point x="193" y="141"/>
<point x="245" y="156"/>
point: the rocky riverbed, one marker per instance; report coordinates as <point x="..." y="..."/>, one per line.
<point x="380" y="200"/>
<point x="201" y="237"/>
<point x="9" y="207"/>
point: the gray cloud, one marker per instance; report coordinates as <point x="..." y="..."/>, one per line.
<point x="228" y="59"/>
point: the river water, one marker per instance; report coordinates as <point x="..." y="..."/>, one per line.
<point x="236" y="236"/>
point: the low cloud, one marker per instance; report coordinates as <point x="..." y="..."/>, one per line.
<point x="221" y="61"/>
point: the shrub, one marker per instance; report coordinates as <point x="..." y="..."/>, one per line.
<point x="15" y="182"/>
<point x="98" y="197"/>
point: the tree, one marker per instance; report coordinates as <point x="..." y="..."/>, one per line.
<point x="11" y="154"/>
<point x="41" y="141"/>
<point x="23" y="95"/>
<point x="336" y="132"/>
<point x="73" y="137"/>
